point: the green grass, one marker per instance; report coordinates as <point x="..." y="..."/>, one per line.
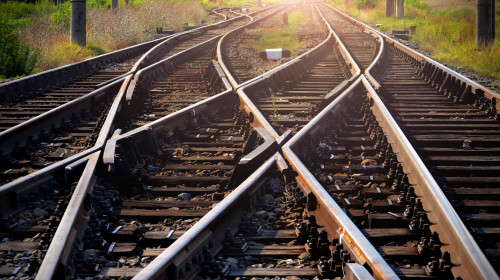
<point x="46" y="31"/>
<point x="447" y="34"/>
<point x="282" y="36"/>
<point x="20" y="13"/>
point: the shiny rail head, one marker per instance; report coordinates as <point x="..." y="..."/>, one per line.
<point x="13" y="195"/>
<point x="44" y="198"/>
<point x="49" y="139"/>
<point x="144" y="151"/>
<point x="144" y="79"/>
<point x="464" y="251"/>
<point x="157" y="51"/>
<point x="442" y="77"/>
<point x="71" y="225"/>
<point x="208" y="238"/>
<point x="293" y="150"/>
<point x="222" y="56"/>
<point x="224" y="102"/>
<point x="20" y="134"/>
<point x="278" y="80"/>
<point x="41" y="82"/>
<point x="352" y="65"/>
<point x="209" y="232"/>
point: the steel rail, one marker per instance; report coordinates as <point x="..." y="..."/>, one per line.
<point x="357" y="242"/>
<point x="354" y="69"/>
<point x="21" y="132"/>
<point x="247" y="86"/>
<point x="66" y="233"/>
<point x="35" y="177"/>
<point x="465" y="249"/>
<point x="421" y="58"/>
<point x="165" y="63"/>
<point x="462" y="247"/>
<point x="56" y="256"/>
<point x="175" y="119"/>
<point x="143" y="64"/>
<point x="377" y="36"/>
<point x="220" y="56"/>
<point x="53" y="77"/>
<point x="182" y="250"/>
<point x="31" y="127"/>
<point x="180" y="119"/>
<point x="53" y="265"/>
<point x="149" y="57"/>
<point x="217" y="11"/>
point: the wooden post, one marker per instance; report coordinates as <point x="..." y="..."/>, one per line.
<point x="484" y="23"/>
<point x="400" y="8"/>
<point x="114" y="5"/>
<point x="389" y="8"/>
<point x="492" y="20"/>
<point x="79" y="22"/>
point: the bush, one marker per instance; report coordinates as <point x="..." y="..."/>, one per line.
<point x="61" y="18"/>
<point x="16" y="58"/>
<point x="419" y="4"/>
<point x="364" y="4"/>
<point x="98" y="3"/>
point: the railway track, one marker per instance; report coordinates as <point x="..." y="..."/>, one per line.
<point x="190" y="186"/>
<point x="288" y="97"/>
<point x="30" y="215"/>
<point x="199" y="35"/>
<point x="186" y="79"/>
<point x="178" y="81"/>
<point x="277" y="233"/>
<point x="30" y="105"/>
<point x="352" y="159"/>
<point x="89" y="76"/>
<point x="173" y="192"/>
<point x="363" y="44"/>
<point x="77" y="131"/>
<point x="457" y="138"/>
<point x="84" y="127"/>
<point x="240" y="60"/>
<point x="185" y="164"/>
<point x="55" y="126"/>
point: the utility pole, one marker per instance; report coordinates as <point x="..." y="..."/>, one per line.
<point x="389" y="8"/>
<point x="114" y="5"/>
<point x="492" y="20"/>
<point x="400" y="8"/>
<point x="485" y="22"/>
<point x="79" y="22"/>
